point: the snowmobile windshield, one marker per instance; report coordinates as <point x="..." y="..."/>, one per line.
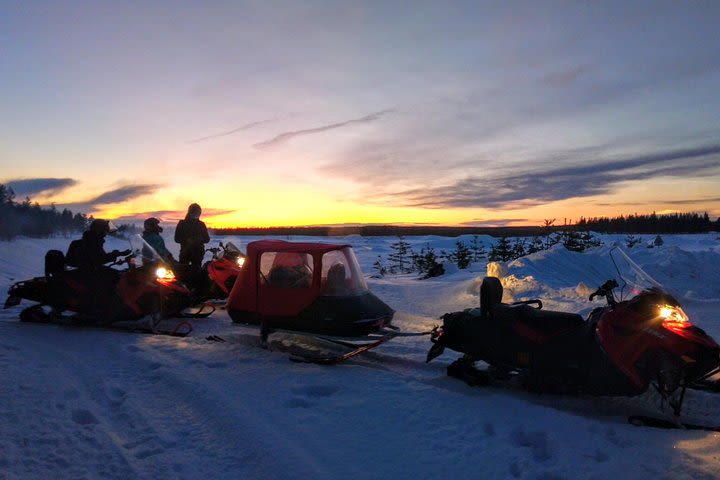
<point x="341" y="274"/>
<point x="231" y="250"/>
<point x="142" y="250"/>
<point x="632" y="280"/>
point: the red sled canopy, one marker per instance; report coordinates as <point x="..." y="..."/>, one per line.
<point x="306" y="286"/>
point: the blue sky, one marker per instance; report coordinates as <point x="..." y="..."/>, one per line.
<point x="305" y="112"/>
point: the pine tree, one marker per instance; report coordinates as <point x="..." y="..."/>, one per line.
<point x="632" y="240"/>
<point x="502" y="251"/>
<point x="461" y="256"/>
<point x="478" y="249"/>
<point x="400" y="257"/>
<point x="379" y="266"/>
<point x="519" y="248"/>
<point x="573" y="241"/>
<point x="536" y="245"/>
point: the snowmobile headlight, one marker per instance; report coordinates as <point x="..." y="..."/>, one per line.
<point x="240" y="261"/>
<point x="673" y="317"/>
<point x="164" y="274"/>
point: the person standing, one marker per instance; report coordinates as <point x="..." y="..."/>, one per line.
<point x="192" y="235"/>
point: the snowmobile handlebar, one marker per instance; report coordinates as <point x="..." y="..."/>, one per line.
<point x="606" y="290"/>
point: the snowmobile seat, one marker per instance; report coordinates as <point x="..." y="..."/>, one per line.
<point x="491" y="292"/>
<point x="54" y="263"/>
<point x="547" y="322"/>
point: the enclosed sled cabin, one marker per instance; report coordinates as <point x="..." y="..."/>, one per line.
<point x="308" y="287"/>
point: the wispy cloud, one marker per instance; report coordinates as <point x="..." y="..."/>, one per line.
<point x="27" y="187"/>
<point x="533" y="186"/>
<point x="171" y="216"/>
<point x="117" y="195"/>
<point x="124" y="193"/>
<point x="230" y="132"/>
<point x="501" y="222"/>
<point x="565" y="77"/>
<point x="287" y="136"/>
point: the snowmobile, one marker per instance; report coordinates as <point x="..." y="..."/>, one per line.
<point x="316" y="289"/>
<point x="640" y="339"/>
<point x="146" y="287"/>
<point x="220" y="272"/>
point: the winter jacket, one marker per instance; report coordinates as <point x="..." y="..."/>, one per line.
<point x="192" y="235"/>
<point x="88" y="252"/>
<point x="156" y="241"/>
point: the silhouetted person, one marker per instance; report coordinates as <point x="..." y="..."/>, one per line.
<point x="90" y="257"/>
<point x="88" y="253"/>
<point x="192" y="235"/>
<point x="151" y="235"/>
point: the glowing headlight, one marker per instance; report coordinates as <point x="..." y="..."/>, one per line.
<point x="163" y="273"/>
<point x="674" y="317"/>
<point x="241" y="261"/>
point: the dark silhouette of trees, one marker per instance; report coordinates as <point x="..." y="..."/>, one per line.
<point x="29" y="219"/>
<point x="652" y="223"/>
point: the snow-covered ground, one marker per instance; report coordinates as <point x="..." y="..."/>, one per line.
<point x="108" y="405"/>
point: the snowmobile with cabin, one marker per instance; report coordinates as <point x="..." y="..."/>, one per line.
<point x="310" y="288"/>
<point x="146" y="287"/>
<point x="643" y="338"/>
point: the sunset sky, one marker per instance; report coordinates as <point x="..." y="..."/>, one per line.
<point x="327" y="112"/>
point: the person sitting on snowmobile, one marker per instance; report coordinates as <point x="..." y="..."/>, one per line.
<point x="88" y="253"/>
<point x="151" y="235"/>
<point x="89" y="256"/>
<point x="192" y="235"/>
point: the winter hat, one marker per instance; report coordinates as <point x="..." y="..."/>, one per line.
<point x="194" y="210"/>
<point x="100" y="227"/>
<point x="152" y="225"/>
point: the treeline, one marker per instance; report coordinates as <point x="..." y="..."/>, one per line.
<point x="29" y="219"/>
<point x="653" y="223"/>
<point x="386" y="231"/>
<point x="634" y="223"/>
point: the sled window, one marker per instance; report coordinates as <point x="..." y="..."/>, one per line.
<point x="341" y="274"/>
<point x="286" y="269"/>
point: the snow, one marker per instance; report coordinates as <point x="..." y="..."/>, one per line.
<point x="96" y="404"/>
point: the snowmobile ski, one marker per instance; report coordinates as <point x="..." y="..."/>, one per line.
<point x="205" y="310"/>
<point x="335" y="359"/>
<point x="37" y="315"/>
<point x="658" y="422"/>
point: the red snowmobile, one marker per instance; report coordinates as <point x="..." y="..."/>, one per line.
<point x="308" y="288"/>
<point x="221" y="271"/>
<point x="642" y="339"/>
<point x="146" y="287"/>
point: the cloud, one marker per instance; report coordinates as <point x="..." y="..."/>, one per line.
<point x="501" y="222"/>
<point x="117" y="195"/>
<point x="27" y="187"/>
<point x="171" y="216"/>
<point x="537" y="186"/>
<point x="230" y="132"/>
<point x="690" y="201"/>
<point x="285" y="137"/>
<point x="124" y="193"/>
<point x="565" y="77"/>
